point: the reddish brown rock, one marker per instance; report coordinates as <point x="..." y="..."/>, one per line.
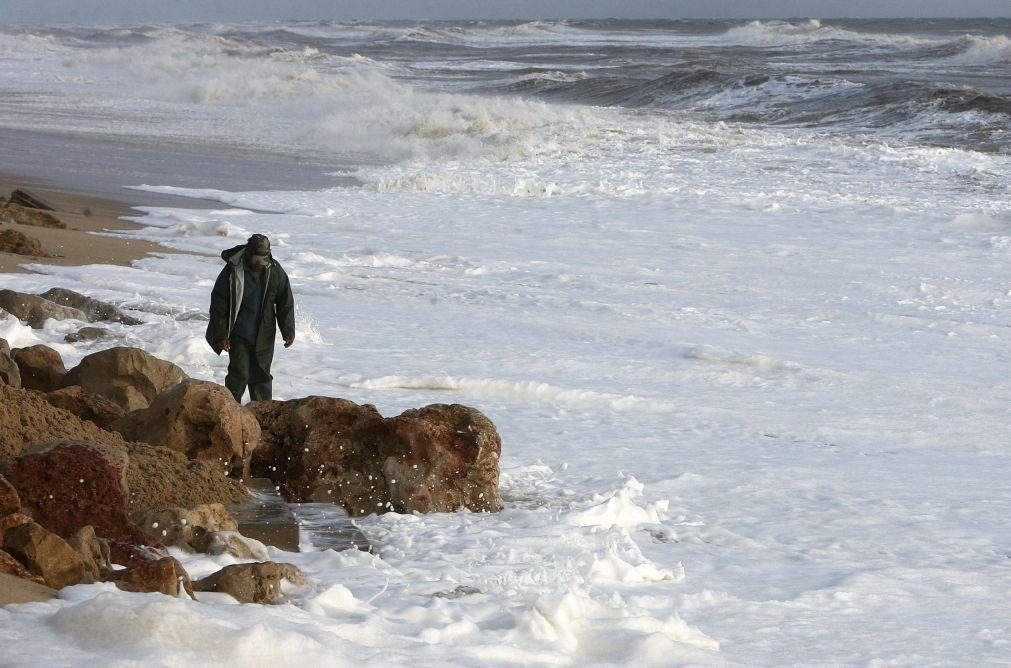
<point x="181" y="526"/>
<point x="129" y="377"/>
<point x="200" y="419"/>
<point x="19" y="243"/>
<point x="165" y="575"/>
<point x="11" y="566"/>
<point x="41" y="368"/>
<point x="35" y="310"/>
<point x="86" y="405"/>
<point x="9" y="372"/>
<point x="252" y="583"/>
<point x="10" y="502"/>
<point x="47" y="555"/>
<point x="321" y="449"/>
<point x="67" y="485"/>
<point x="437" y="459"/>
<point x="94" y="309"/>
<point x="442" y="458"/>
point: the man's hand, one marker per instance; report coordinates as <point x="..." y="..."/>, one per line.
<point x="225" y="345"/>
<point x="288" y="340"/>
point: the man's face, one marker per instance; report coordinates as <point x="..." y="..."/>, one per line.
<point x="256" y="262"/>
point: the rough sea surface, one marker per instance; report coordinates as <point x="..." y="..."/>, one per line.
<point x="736" y="294"/>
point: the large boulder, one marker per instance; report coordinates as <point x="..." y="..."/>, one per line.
<point x="67" y="485"/>
<point x="321" y="449"/>
<point x="198" y="418"/>
<point x="181" y="527"/>
<point x="86" y="405"/>
<point x="129" y="377"/>
<point x="9" y="372"/>
<point x="164" y="575"/>
<point x="440" y="458"/>
<point x="41" y="367"/>
<point x="94" y="309"/>
<point x="252" y="583"/>
<point x="35" y="310"/>
<point x="47" y="555"/>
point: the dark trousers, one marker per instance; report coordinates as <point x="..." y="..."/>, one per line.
<point x="248" y="366"/>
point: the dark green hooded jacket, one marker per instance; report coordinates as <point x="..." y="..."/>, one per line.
<point x="226" y="298"/>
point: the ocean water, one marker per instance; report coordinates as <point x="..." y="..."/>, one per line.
<point x="736" y="296"/>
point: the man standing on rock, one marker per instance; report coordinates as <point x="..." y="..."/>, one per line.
<point x="251" y="294"/>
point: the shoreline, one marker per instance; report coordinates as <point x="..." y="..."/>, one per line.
<point x="81" y="243"/>
<point x="88" y="179"/>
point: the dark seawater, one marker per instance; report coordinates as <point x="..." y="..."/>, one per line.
<point x="936" y="82"/>
<point x="941" y="82"/>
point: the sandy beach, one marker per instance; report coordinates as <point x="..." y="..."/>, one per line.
<point x="81" y="243"/>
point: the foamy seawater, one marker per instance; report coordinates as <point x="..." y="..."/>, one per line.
<point x="748" y="358"/>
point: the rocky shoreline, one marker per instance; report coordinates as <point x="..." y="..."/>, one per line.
<point x="106" y="465"/>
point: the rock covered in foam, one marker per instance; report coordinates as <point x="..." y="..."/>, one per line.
<point x="165" y="575"/>
<point x="200" y="419"/>
<point x="94" y="309"/>
<point x="252" y="583"/>
<point x="35" y="310"/>
<point x="182" y="526"/>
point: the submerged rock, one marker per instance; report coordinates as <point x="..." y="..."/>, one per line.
<point x="35" y="310"/>
<point x="252" y="583"/>
<point x="94" y="309"/>
<point x="165" y="575"/>
<point x="181" y="527"/>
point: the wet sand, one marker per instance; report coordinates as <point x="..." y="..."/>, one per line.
<point x="87" y="181"/>
<point x="77" y="244"/>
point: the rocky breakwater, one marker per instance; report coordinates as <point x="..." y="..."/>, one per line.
<point x="118" y="458"/>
